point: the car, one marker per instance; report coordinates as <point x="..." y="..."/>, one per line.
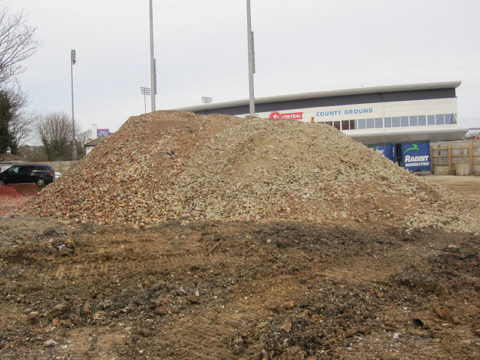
<point x="4" y="165"/>
<point x="40" y="174"/>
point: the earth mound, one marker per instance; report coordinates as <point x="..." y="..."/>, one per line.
<point x="170" y="165"/>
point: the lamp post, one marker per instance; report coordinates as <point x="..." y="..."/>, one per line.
<point x="73" y="57"/>
<point x="145" y="91"/>
<point x="153" y="81"/>
<point x="251" y="60"/>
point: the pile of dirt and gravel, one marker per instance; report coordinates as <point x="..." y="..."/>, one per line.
<point x="170" y="165"/>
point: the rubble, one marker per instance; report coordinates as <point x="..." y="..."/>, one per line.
<point x="169" y="165"/>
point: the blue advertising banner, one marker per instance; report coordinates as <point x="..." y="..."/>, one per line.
<point x="416" y="157"/>
<point x="387" y="150"/>
<point x="103" y="132"/>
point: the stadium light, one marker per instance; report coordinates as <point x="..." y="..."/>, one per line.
<point x="251" y="60"/>
<point x="73" y="58"/>
<point x="153" y="77"/>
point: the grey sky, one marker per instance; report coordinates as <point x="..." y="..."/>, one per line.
<point x="201" y="50"/>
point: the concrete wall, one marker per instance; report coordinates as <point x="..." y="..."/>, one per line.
<point x="59" y="166"/>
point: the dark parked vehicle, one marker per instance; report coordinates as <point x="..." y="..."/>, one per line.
<point x="28" y="173"/>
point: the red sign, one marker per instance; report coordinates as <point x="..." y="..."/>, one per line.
<point x="290" y="116"/>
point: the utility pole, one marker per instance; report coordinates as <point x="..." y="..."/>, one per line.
<point x="153" y="80"/>
<point x="73" y="57"/>
<point x="251" y="60"/>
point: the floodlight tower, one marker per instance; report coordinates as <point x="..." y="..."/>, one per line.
<point x="73" y="58"/>
<point x="153" y="80"/>
<point x="251" y="60"/>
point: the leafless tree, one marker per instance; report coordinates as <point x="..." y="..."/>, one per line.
<point x="21" y="125"/>
<point x="55" y="133"/>
<point x="17" y="43"/>
<point x="81" y="139"/>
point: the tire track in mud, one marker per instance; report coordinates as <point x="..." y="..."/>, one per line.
<point x="378" y="268"/>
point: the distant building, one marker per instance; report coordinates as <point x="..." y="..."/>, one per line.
<point x="91" y="144"/>
<point x="390" y="119"/>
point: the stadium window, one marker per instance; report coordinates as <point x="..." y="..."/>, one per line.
<point x="329" y="123"/>
<point x="454" y="119"/>
<point x="413" y="121"/>
<point x="448" y="118"/>
<point x="396" y="121"/>
<point x="361" y="123"/>
<point x="439" y="119"/>
<point x="336" y="124"/>
<point x="431" y="119"/>
<point x="378" y="123"/>
<point x="388" y="122"/>
<point x="404" y="121"/>
<point x="345" y="125"/>
<point x="422" y="120"/>
<point x="352" y="125"/>
<point x="370" y="123"/>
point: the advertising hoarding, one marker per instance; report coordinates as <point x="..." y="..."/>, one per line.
<point x="103" y="133"/>
<point x="416" y="157"/>
<point x="387" y="150"/>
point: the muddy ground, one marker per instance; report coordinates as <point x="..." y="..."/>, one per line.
<point x="236" y="291"/>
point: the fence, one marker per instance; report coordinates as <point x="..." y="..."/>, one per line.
<point x="456" y="157"/>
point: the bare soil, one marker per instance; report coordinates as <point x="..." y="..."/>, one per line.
<point x="13" y="197"/>
<point x="238" y="290"/>
<point x="468" y="187"/>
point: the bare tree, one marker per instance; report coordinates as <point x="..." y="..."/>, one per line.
<point x="21" y="125"/>
<point x="17" y="43"/>
<point x="55" y="132"/>
<point x="81" y="139"/>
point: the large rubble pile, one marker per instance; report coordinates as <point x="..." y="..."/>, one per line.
<point x="170" y="165"/>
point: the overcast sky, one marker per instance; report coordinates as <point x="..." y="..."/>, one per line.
<point x="201" y="50"/>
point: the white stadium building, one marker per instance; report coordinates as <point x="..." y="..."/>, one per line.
<point x="391" y="119"/>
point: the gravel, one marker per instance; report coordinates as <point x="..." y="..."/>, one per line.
<point x="182" y="166"/>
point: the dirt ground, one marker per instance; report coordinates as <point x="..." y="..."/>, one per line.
<point x="210" y="290"/>
<point x="466" y="186"/>
<point x="15" y="196"/>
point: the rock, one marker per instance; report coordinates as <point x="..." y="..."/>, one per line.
<point x="443" y="313"/>
<point x="50" y="232"/>
<point x="33" y="316"/>
<point x="193" y="299"/>
<point x="161" y="310"/>
<point x="287" y="326"/>
<point x="290" y="304"/>
<point x="50" y="343"/>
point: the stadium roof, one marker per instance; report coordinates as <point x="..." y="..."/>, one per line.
<point x="327" y="94"/>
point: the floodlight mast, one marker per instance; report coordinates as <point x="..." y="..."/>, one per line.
<point x="153" y="82"/>
<point x="73" y="58"/>
<point x="251" y="60"/>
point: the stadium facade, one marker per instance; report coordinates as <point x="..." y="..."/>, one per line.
<point x="390" y="119"/>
